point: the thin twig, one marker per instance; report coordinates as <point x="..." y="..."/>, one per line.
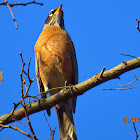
<point x="16" y="105"/>
<point x="16" y="4"/>
<point x="137" y="135"/>
<point x="47" y="121"/>
<point x="137" y="77"/>
<point x="138" y="25"/>
<point x="11" y="13"/>
<point x="29" y="78"/>
<point x="29" y="65"/>
<point x="130" y="82"/>
<point x="77" y="90"/>
<point x="17" y="129"/>
<point x="63" y="87"/>
<point x="119" y="88"/>
<point x="22" y="4"/>
<point x="126" y="85"/>
<point x="52" y="131"/>
<point x="22" y="96"/>
<point x="102" y="71"/>
<point x="23" y="124"/>
<point x="129" y="55"/>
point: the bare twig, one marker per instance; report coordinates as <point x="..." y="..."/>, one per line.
<point x="129" y="55"/>
<point x="22" y="95"/>
<point x="102" y="71"/>
<point x="16" y="4"/>
<point x="23" y="124"/>
<point x="137" y="134"/>
<point x="29" y="68"/>
<point x="16" y="105"/>
<point x="22" y="4"/>
<point x="17" y="129"/>
<point x="131" y="82"/>
<point x="126" y="85"/>
<point x="47" y="121"/>
<point x="29" y="79"/>
<point x="76" y="90"/>
<point x="22" y="101"/>
<point x="119" y="88"/>
<point x="138" y="25"/>
<point x="6" y="3"/>
<point x="52" y="131"/>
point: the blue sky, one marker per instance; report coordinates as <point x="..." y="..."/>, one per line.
<point x="101" y="31"/>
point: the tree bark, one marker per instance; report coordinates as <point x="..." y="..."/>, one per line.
<point x="76" y="90"/>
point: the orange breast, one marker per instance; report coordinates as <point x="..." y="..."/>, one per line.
<point x="54" y="48"/>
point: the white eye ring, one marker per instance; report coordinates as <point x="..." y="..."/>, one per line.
<point x="50" y="15"/>
<point x="52" y="12"/>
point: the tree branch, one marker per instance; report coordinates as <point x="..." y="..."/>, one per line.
<point x="17" y="129"/>
<point x="138" y="27"/>
<point x="76" y="90"/>
<point x="20" y="3"/>
<point x="5" y="2"/>
<point x="22" y="96"/>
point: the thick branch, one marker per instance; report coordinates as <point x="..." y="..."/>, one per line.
<point x="78" y="89"/>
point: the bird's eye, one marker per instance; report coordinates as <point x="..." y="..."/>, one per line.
<point x="52" y="12"/>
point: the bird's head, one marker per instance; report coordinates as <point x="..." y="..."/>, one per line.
<point x="55" y="18"/>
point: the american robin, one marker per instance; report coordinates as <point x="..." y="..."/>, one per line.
<point x="56" y="63"/>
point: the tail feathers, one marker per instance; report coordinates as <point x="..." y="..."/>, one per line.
<point x="66" y="124"/>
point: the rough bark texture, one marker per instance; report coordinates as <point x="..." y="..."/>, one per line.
<point x="78" y="89"/>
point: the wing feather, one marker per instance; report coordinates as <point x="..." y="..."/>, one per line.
<point x="39" y="81"/>
<point x="74" y="75"/>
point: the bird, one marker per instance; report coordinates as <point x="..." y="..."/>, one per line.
<point x="56" y="65"/>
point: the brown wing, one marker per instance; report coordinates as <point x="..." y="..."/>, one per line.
<point x="39" y="81"/>
<point x="40" y="84"/>
<point x="74" y="75"/>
